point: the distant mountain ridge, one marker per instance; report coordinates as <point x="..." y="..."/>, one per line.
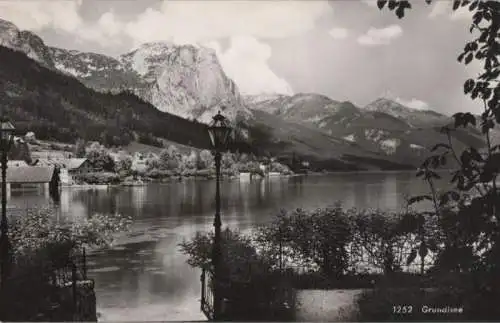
<point x="414" y="117"/>
<point x="383" y="126"/>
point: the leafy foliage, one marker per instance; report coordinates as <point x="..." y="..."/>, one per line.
<point x="80" y="149"/>
<point x="98" y="178"/>
<point x="20" y="151"/>
<point x="469" y="215"/>
<point x="40" y="231"/>
<point x="44" y="246"/>
<point x="100" y="159"/>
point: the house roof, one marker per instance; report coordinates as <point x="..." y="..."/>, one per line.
<point x="49" y="154"/>
<point x="30" y="174"/>
<point x="74" y="163"/>
<point x="50" y="162"/>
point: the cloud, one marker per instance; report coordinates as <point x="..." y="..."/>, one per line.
<point x="413" y="103"/>
<point x="445" y="8"/>
<point x="244" y="23"/>
<point x="338" y="33"/>
<point x="107" y="31"/>
<point x="382" y="36"/>
<point x="62" y="15"/>
<point x="462" y="14"/>
<point x="245" y="62"/>
<point x="200" y="21"/>
<point x="35" y="15"/>
<point x="410" y="103"/>
<point x="370" y="3"/>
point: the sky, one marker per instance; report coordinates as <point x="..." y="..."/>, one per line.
<point x="348" y="50"/>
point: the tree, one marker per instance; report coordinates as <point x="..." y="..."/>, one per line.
<point x="100" y="159"/>
<point x="170" y="158"/>
<point x="227" y="161"/>
<point x="469" y="214"/>
<point x="205" y="160"/>
<point x="152" y="162"/>
<point x="20" y="151"/>
<point x="478" y="171"/>
<point x="189" y="161"/>
<point x="42" y="243"/>
<point x="124" y="164"/>
<point x="80" y="151"/>
<point x="255" y="291"/>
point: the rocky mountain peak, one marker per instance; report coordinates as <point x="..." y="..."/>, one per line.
<point x="26" y="42"/>
<point x="185" y="80"/>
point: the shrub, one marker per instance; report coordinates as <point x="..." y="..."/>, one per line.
<point x="254" y="290"/>
<point x="42" y="244"/>
<point x="99" y="178"/>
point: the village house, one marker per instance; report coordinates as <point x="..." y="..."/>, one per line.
<point x="139" y="162"/>
<point x="16" y="163"/>
<point x="77" y="166"/>
<point x="73" y="167"/>
<point x="41" y="180"/>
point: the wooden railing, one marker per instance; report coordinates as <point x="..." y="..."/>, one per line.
<point x="207" y="295"/>
<point x="71" y="288"/>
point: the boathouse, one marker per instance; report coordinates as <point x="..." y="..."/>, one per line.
<point x="34" y="179"/>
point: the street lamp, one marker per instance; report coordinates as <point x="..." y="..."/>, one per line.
<point x="219" y="131"/>
<point x="6" y="139"/>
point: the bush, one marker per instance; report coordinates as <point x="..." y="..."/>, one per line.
<point x="205" y="173"/>
<point x="39" y="234"/>
<point x="99" y="178"/>
<point x="41" y="244"/>
<point x="160" y="174"/>
<point x="254" y="290"/>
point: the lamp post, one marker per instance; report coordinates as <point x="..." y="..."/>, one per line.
<point x="6" y="139"/>
<point x="219" y="131"/>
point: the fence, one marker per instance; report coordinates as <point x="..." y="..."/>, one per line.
<point x="49" y="289"/>
<point x="207" y="295"/>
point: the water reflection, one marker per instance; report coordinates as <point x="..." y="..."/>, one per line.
<point x="145" y="277"/>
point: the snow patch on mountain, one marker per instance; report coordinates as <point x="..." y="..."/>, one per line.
<point x="389" y="146"/>
<point x="68" y="70"/>
<point x="350" y="138"/>
<point x="375" y="134"/>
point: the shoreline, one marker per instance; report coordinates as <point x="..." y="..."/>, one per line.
<point x="176" y="178"/>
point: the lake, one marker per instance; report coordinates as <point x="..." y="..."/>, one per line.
<point x="145" y="277"/>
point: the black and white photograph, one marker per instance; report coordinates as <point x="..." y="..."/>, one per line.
<point x="249" y="160"/>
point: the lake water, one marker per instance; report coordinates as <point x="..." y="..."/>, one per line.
<point x="145" y="277"/>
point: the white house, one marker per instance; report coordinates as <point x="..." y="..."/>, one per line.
<point x="16" y="163"/>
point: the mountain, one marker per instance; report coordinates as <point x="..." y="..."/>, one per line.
<point x="25" y="42"/>
<point x="184" y="80"/>
<point x="58" y="107"/>
<point x="399" y="133"/>
<point x="414" y="117"/>
<point x="163" y="91"/>
<point x="302" y="107"/>
<point x="286" y="139"/>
